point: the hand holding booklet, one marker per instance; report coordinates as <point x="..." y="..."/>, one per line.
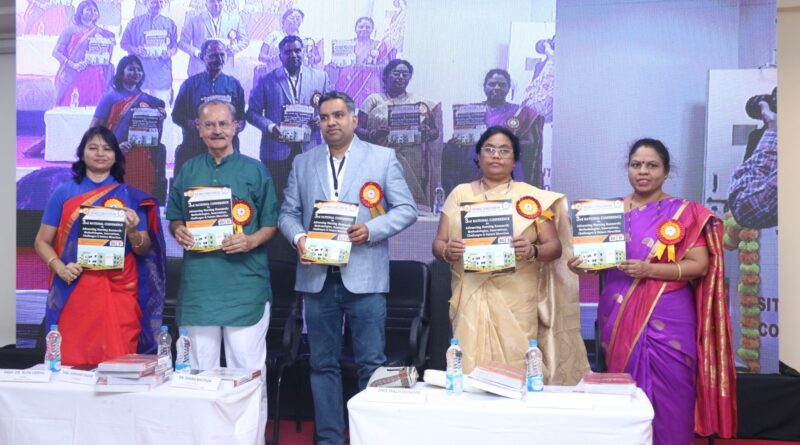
<point x="101" y="238"/>
<point x="327" y="241"/>
<point x="209" y="216"/>
<point x="598" y="232"/>
<point x="488" y="233"/>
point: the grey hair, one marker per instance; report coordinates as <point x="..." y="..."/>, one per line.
<point x="209" y="103"/>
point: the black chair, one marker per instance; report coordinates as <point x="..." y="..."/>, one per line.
<point x="407" y="319"/>
<point x="441" y="329"/>
<point x="407" y="331"/>
<point x="284" y="334"/>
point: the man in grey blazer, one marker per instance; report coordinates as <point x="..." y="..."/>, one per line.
<point x="291" y="83"/>
<point x="213" y="24"/>
<point x="345" y="169"/>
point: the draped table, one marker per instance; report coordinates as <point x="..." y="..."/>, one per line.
<point x="69" y="413"/>
<point x="482" y="418"/>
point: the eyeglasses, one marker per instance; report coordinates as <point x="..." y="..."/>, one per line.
<point x="398" y="73"/>
<point x="503" y="152"/>
<point x="224" y="125"/>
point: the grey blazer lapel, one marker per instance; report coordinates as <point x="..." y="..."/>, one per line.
<point x="283" y="82"/>
<point x="320" y="166"/>
<point x="209" y="24"/>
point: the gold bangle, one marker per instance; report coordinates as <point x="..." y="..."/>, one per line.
<point x="680" y="272"/>
<point x="444" y="253"/>
<point x="50" y="261"/>
<point x="141" y="242"/>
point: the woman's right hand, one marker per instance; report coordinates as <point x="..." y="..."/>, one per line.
<point x="573" y="264"/>
<point x="379" y="134"/>
<point x="454" y="250"/>
<point x="70" y="272"/>
<point x="80" y="66"/>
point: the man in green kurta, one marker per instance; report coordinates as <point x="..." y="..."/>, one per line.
<point x="225" y="294"/>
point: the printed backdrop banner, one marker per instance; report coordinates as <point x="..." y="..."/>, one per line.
<point x="68" y="51"/>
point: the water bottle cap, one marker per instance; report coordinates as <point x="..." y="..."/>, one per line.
<point x="533" y="343"/>
<point x="164" y="327"/>
<point x="53" y="327"/>
<point x="453" y="341"/>
<point x="184" y="332"/>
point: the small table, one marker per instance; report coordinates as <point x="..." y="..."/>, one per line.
<point x="482" y="418"/>
<point x="60" y="412"/>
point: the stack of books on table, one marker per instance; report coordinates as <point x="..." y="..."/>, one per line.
<point x="132" y="373"/>
<point x="498" y="378"/>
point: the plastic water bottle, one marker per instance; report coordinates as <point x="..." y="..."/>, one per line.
<point x="52" y="356"/>
<point x="438" y="199"/>
<point x="183" y="364"/>
<point x="534" y="377"/>
<point x="165" y="344"/>
<point x="454" y="374"/>
<point x="74" y="98"/>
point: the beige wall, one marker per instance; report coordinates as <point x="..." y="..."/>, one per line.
<point x="8" y="161"/>
<point x="789" y="155"/>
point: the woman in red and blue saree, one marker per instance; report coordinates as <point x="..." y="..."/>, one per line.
<point x="663" y="313"/>
<point x="102" y="314"/>
<point x="460" y="163"/>
<point x="145" y="156"/>
<point x="84" y="52"/>
<point x="363" y="76"/>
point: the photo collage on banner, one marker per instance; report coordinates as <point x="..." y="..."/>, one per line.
<point x="471" y="65"/>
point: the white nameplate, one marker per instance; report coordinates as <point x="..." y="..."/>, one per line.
<point x="395" y="395"/>
<point x="558" y="400"/>
<point x="79" y="376"/>
<point x="25" y="375"/>
<point x="189" y="381"/>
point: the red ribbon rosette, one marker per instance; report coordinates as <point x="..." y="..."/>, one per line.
<point x="114" y="202"/>
<point x="529" y="207"/>
<point x="669" y="234"/>
<point x="242" y="213"/>
<point x="371" y="196"/>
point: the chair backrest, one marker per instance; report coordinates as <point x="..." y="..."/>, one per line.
<point x="441" y="330"/>
<point x="174" y="265"/>
<point x="408" y="298"/>
<point x="282" y="280"/>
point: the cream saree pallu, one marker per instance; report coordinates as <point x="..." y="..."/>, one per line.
<point x="494" y="315"/>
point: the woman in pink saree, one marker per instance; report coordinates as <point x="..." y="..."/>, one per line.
<point x="84" y="52"/>
<point x="663" y="313"/>
<point x="363" y="76"/>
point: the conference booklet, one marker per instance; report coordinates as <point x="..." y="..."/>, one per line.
<point x="598" y="232"/>
<point x="294" y="122"/>
<point x="155" y="42"/>
<point x="404" y="121"/>
<point x="327" y="241"/>
<point x="101" y="238"/>
<point x="487" y="229"/>
<point x="469" y="122"/>
<point x="208" y="216"/>
<point x="143" y="129"/>
<point x="98" y="51"/>
<point x="343" y="52"/>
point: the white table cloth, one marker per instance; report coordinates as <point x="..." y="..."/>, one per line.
<point x="68" y="413"/>
<point x="481" y="418"/>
